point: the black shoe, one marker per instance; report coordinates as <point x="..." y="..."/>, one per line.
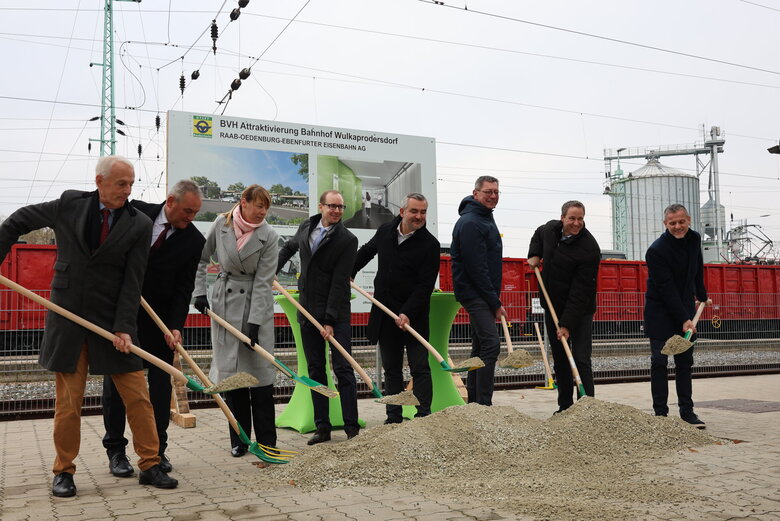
<point x="119" y="465"/>
<point x="63" y="485"/>
<point x="319" y="437"/>
<point x="661" y="414"/>
<point x="390" y="421"/>
<point x="560" y="410"/>
<point x="351" y="432"/>
<point x="694" y="420"/>
<point x="238" y="451"/>
<point x="156" y="477"/>
<point x="165" y="464"/>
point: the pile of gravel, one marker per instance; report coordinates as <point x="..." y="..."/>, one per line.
<point x="584" y="463"/>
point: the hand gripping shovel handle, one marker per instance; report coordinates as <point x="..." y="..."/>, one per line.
<point x="286" y="371"/>
<point x="332" y="340"/>
<point x="178" y="375"/>
<point x="506" y="335"/>
<point x="574" y="371"/>
<point x="409" y="328"/>
<point x="198" y="371"/>
<point x="696" y="317"/>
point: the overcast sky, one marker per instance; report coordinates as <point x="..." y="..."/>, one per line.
<point x="529" y="92"/>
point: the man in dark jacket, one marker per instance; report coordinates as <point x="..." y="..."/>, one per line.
<point x="170" y="278"/>
<point x="571" y="262"/>
<point x="408" y="267"/>
<point x="476" y="250"/>
<point x="102" y="248"/>
<point x="675" y="270"/>
<point x="327" y="250"/>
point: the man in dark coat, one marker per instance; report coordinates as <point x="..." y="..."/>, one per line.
<point x="102" y="248"/>
<point x="477" y="251"/>
<point x="170" y="277"/>
<point x="408" y="267"/>
<point x="327" y="250"/>
<point x="571" y="262"/>
<point x="675" y="270"/>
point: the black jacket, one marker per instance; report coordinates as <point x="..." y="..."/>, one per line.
<point x="477" y="253"/>
<point x="675" y="270"/>
<point x="169" y="280"/>
<point x="405" y="277"/>
<point x="570" y="270"/>
<point x="324" y="282"/>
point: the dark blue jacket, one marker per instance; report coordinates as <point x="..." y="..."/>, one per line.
<point x="476" y="254"/>
<point x="675" y="270"/>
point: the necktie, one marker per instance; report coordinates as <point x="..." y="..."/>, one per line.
<point x="104" y="228"/>
<point x="161" y="238"/>
<point x="318" y="239"/>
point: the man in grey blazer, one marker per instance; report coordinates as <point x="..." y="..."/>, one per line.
<point x="102" y="247"/>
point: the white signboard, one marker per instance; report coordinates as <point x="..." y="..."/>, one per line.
<point x="296" y="163"/>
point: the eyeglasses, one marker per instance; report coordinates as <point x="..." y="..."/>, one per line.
<point x="490" y="192"/>
<point x="341" y="207"/>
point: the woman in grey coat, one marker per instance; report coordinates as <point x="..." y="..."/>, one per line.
<point x="247" y="249"/>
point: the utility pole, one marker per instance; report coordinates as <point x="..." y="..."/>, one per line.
<point x="107" y="110"/>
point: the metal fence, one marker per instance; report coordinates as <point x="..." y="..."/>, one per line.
<point x="736" y="337"/>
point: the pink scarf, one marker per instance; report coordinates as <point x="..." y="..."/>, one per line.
<point x="242" y="228"/>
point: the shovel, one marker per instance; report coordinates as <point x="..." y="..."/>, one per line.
<point x="255" y="448"/>
<point x="514" y="359"/>
<point x="305" y="380"/>
<point x="547" y="372"/>
<point x="678" y="344"/>
<point x="177" y="375"/>
<point x="574" y="371"/>
<point x="330" y="339"/>
<point x="444" y="365"/>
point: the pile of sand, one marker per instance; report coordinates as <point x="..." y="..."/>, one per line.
<point x="585" y="462"/>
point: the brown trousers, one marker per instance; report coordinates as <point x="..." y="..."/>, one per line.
<point x="67" y="415"/>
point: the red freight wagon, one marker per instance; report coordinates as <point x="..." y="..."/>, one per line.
<point x="747" y="297"/>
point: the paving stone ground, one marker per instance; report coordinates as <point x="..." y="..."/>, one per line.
<point x="739" y="482"/>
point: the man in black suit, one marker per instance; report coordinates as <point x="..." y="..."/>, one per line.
<point x="102" y="249"/>
<point x="675" y="279"/>
<point x="170" y="277"/>
<point x="327" y="250"/>
<point x="408" y="267"/>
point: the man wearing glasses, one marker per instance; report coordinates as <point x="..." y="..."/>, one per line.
<point x="476" y="275"/>
<point x="327" y="250"/>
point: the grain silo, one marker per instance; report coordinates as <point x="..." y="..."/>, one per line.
<point x="648" y="191"/>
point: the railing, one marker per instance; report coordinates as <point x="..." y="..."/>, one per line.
<point x="741" y="334"/>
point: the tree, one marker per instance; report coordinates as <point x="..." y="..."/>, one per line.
<point x="302" y="160"/>
<point x="206" y="217"/>
<point x="280" y="189"/>
<point x="237" y="188"/>
<point x="211" y="189"/>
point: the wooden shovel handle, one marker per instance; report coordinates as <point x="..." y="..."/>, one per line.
<point x="198" y="371"/>
<point x="699" y="311"/>
<point x="554" y="315"/>
<point x="243" y="338"/>
<point x="392" y="315"/>
<point x="544" y="352"/>
<point x="506" y="335"/>
<point x="178" y="375"/>
<point x="332" y="340"/>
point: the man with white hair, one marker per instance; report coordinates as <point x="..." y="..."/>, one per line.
<point x="174" y="254"/>
<point x="102" y="248"/>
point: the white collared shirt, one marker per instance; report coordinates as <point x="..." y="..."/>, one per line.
<point x="401" y="236"/>
<point x="159" y="226"/>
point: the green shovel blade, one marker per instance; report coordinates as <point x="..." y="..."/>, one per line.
<point x="192" y="384"/>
